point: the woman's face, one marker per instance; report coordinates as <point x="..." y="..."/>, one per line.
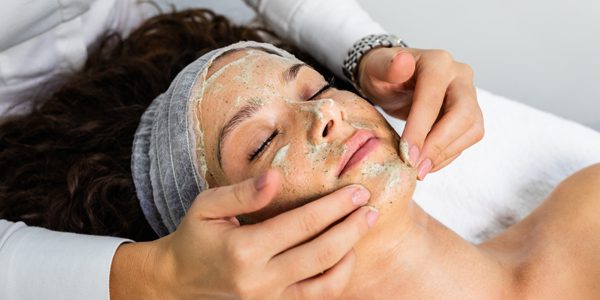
<point x="262" y="111"/>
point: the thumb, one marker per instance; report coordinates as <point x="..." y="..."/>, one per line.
<point x="390" y="65"/>
<point x="241" y="198"/>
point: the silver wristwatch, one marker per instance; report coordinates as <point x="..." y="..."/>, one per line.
<point x="363" y="46"/>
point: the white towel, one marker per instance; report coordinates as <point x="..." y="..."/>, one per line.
<point x="524" y="154"/>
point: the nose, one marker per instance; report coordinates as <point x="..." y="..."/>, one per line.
<point x="325" y="118"/>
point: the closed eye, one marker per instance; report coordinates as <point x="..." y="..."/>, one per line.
<point x="263" y="146"/>
<point x="330" y="84"/>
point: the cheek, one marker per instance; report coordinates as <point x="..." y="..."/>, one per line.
<point x="303" y="181"/>
<point x="305" y="170"/>
<point x="364" y="109"/>
<point x="361" y="114"/>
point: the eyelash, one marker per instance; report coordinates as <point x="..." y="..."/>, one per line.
<point x="330" y="84"/>
<point x="254" y="155"/>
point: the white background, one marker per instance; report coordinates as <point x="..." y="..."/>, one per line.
<point x="542" y="53"/>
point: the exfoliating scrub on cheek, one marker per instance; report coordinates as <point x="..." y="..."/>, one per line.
<point x="311" y="167"/>
<point x="280" y="156"/>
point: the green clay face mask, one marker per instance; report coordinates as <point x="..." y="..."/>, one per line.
<point x="279" y="160"/>
<point x="316" y="109"/>
<point x="308" y="159"/>
<point x="197" y="95"/>
<point x="404" y="154"/>
<point x="243" y="76"/>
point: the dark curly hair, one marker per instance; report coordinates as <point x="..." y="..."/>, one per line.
<point x="66" y="165"/>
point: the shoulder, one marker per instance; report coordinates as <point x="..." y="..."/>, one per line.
<point x="575" y="209"/>
<point x="568" y="222"/>
<point x="591" y="172"/>
<point x="571" y="213"/>
<point x="584" y="185"/>
<point x="576" y="200"/>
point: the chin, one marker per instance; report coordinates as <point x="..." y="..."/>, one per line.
<point x="386" y="176"/>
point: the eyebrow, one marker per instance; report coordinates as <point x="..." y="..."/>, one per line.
<point x="291" y="73"/>
<point x="240" y="116"/>
<point x="250" y="110"/>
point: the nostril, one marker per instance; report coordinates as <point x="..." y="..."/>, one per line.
<point x="327" y="128"/>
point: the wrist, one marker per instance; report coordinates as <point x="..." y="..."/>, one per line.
<point x="135" y="272"/>
<point x="361" y="48"/>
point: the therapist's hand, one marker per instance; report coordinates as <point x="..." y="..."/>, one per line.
<point x="433" y="93"/>
<point x="290" y="256"/>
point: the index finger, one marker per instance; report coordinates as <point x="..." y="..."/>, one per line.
<point x="303" y="223"/>
<point x="428" y="98"/>
<point x="460" y="114"/>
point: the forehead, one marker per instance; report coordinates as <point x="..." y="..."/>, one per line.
<point x="237" y="76"/>
<point x="240" y="75"/>
<point x="247" y="54"/>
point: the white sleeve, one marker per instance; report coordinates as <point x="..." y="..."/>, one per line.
<point x="37" y="263"/>
<point x="325" y="29"/>
<point x="24" y="68"/>
<point x="21" y="20"/>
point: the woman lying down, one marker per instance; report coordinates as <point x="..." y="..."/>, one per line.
<point x="239" y="111"/>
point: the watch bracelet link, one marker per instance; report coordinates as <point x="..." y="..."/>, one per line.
<point x="361" y="47"/>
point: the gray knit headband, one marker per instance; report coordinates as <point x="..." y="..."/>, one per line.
<point x="167" y="162"/>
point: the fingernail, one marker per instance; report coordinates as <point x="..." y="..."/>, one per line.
<point x="404" y="151"/>
<point x="413" y="155"/>
<point x="372" y="216"/>
<point x="261" y="182"/>
<point x="424" y="168"/>
<point x="360" y="196"/>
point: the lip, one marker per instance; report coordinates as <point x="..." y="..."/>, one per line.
<point x="358" y="146"/>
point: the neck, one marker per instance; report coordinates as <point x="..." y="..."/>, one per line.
<point x="413" y="255"/>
